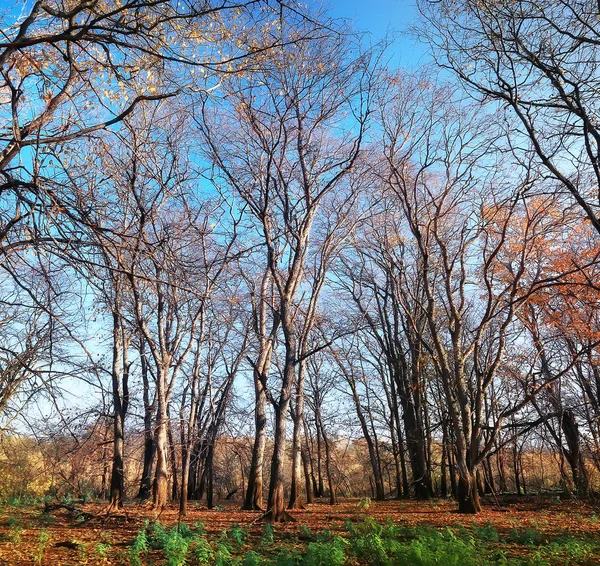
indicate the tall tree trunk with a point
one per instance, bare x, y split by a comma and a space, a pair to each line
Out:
490, 483
210, 502
574, 455
149, 446
468, 494
320, 486
307, 481
379, 489
413, 429
444, 480
405, 486
295, 501
254, 492
332, 497
161, 476
172, 459
276, 501
311, 463
120, 380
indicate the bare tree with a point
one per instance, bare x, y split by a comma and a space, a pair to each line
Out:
281, 158
538, 60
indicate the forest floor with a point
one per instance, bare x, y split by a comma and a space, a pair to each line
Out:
521, 531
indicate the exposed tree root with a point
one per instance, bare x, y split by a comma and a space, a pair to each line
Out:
284, 518
74, 511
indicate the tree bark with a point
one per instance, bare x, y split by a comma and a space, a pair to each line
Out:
295, 501
254, 493
120, 380
161, 476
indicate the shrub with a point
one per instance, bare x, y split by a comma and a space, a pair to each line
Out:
325, 553
237, 534
252, 558
443, 548
176, 548
487, 533
364, 504
268, 536
528, 537
201, 550
139, 546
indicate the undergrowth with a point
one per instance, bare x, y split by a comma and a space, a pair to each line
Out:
366, 542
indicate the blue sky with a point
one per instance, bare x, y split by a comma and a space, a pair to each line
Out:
378, 17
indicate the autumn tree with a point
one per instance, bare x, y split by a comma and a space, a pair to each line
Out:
287, 139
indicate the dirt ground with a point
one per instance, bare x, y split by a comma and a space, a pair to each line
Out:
101, 539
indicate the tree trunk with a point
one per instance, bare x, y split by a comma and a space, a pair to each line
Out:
295, 501
444, 479
120, 380
574, 456
210, 502
172, 459
161, 476
149, 446
332, 497
276, 502
468, 495
307, 485
254, 492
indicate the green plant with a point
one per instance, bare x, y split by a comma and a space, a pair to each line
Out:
564, 551
198, 526
237, 534
486, 533
268, 536
176, 548
325, 553
102, 549
201, 550
252, 558
14, 533
158, 536
364, 504
305, 533
43, 544
528, 537
442, 548
139, 546
286, 557
222, 555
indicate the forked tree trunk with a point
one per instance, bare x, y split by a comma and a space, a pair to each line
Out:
210, 501
117, 478
405, 489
